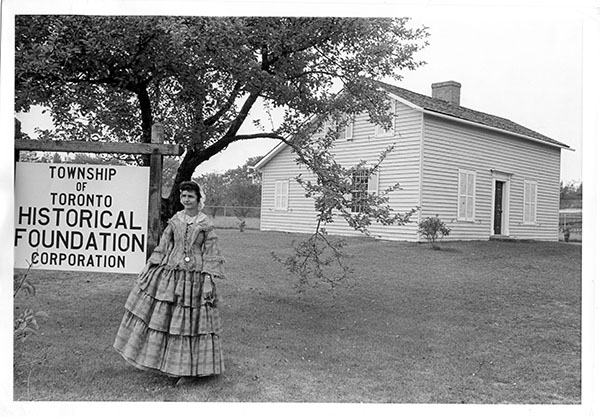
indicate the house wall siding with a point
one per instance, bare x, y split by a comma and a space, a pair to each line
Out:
428, 153
401, 166
300, 215
449, 146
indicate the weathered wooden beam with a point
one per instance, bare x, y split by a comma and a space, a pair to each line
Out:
98, 147
155, 191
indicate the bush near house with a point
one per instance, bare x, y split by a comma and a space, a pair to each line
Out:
433, 229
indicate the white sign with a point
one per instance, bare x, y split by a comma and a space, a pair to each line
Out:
81, 217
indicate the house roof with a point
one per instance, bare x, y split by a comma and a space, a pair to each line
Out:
445, 109
463, 113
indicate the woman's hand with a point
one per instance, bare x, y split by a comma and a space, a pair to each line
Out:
207, 287
208, 291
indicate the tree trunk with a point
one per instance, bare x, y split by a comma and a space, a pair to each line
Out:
195, 156
146, 112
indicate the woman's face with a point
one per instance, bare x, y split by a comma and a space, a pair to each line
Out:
189, 200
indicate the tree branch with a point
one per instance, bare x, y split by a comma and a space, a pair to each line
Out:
271, 135
230, 101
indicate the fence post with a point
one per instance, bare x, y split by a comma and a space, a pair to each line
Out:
155, 192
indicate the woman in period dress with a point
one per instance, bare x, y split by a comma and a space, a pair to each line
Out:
171, 323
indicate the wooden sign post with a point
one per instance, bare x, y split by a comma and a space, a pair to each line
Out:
155, 195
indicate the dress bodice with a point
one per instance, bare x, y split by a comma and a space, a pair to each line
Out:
189, 244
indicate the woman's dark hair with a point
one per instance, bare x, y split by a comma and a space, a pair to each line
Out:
191, 186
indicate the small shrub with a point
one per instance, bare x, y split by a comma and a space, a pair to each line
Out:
432, 228
25, 323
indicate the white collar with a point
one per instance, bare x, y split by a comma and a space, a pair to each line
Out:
191, 219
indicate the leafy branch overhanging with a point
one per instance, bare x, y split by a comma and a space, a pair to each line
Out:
322, 258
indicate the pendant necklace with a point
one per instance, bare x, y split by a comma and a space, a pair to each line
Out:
185, 243
189, 221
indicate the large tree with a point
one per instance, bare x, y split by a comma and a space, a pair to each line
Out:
112, 77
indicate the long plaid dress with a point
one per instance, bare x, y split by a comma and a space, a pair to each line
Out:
171, 322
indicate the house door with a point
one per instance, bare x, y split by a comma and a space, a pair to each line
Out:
498, 205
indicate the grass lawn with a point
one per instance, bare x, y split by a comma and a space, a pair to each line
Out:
477, 322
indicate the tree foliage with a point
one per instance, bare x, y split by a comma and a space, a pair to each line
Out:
321, 259
213, 187
571, 194
112, 77
243, 188
333, 190
25, 318
239, 188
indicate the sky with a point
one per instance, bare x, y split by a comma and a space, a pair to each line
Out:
524, 63
521, 64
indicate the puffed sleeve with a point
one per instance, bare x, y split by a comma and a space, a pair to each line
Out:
164, 247
212, 259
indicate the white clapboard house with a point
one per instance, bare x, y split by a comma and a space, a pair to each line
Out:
483, 175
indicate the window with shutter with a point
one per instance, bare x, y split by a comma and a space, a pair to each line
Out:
466, 195
281, 194
529, 202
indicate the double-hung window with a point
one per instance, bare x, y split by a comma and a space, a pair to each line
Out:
362, 186
466, 195
529, 202
281, 194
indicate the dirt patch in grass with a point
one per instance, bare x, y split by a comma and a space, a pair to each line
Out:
476, 322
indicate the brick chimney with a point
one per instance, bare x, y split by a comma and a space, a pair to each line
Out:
448, 91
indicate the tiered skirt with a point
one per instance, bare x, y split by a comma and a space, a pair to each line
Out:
170, 326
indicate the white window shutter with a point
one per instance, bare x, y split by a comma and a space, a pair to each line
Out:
462, 180
281, 194
285, 194
462, 201
462, 207
466, 195
529, 202
373, 185
277, 201
349, 129
471, 196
